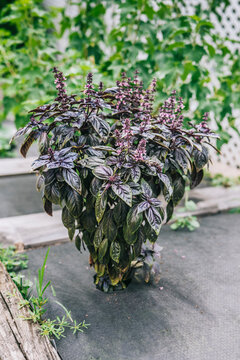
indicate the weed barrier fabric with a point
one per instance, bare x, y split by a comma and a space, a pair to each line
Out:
192, 314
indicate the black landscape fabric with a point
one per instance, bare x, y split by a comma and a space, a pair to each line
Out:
192, 314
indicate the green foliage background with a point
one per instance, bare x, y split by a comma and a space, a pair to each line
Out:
151, 36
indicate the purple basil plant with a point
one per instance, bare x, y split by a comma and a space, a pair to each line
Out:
117, 169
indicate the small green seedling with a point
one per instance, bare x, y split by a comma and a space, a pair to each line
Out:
37, 304
189, 222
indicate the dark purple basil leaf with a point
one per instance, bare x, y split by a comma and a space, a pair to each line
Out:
100, 205
67, 138
52, 193
88, 221
71, 114
63, 152
43, 142
67, 219
100, 126
92, 140
103, 104
95, 186
213, 135
138, 244
135, 187
40, 182
178, 189
54, 165
84, 173
41, 108
77, 125
169, 210
181, 159
20, 132
135, 173
146, 189
174, 165
155, 202
113, 90
104, 148
92, 152
166, 181
72, 179
74, 201
49, 176
81, 140
70, 157
154, 219
196, 178
112, 160
200, 157
62, 161
47, 206
46, 115
39, 163
29, 141
151, 170
92, 162
81, 117
60, 132
103, 172
144, 205
148, 135
150, 234
124, 192
104, 129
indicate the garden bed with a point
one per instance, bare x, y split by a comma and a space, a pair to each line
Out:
191, 314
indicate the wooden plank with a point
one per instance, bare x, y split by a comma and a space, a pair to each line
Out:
18, 166
216, 192
214, 201
33, 230
19, 339
39, 229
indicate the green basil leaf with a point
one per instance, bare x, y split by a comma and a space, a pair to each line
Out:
67, 219
100, 205
115, 251
102, 249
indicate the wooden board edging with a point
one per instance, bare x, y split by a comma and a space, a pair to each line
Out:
16, 166
19, 339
